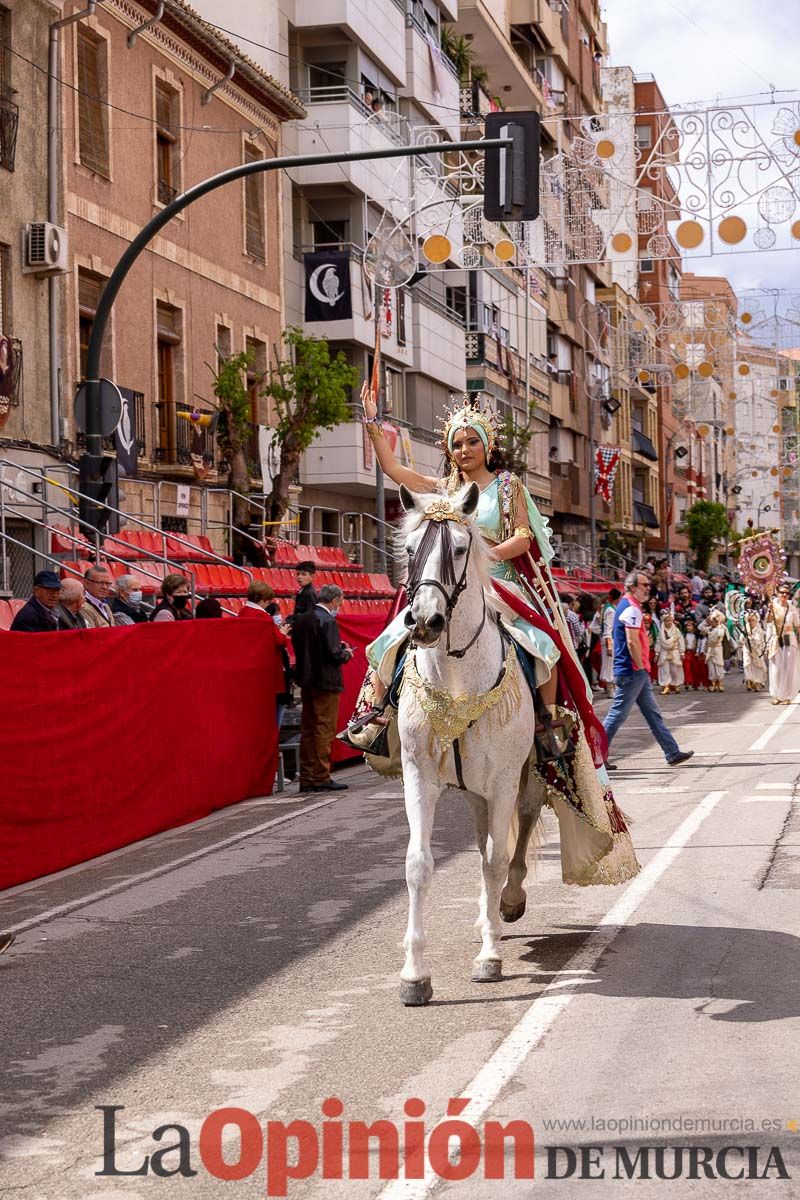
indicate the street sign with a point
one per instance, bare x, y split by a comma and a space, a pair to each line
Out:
110, 407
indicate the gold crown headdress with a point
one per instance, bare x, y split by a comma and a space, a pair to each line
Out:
471, 414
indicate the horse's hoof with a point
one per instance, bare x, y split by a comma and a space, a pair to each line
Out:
512, 912
487, 970
415, 992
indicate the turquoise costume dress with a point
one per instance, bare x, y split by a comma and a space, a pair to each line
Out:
495, 518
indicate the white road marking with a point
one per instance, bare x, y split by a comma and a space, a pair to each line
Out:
655, 791
544, 1011
770, 732
790, 751
122, 885
773, 787
766, 799
386, 796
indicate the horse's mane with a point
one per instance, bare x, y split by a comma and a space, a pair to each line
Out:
412, 521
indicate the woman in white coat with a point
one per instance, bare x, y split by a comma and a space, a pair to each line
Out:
754, 652
783, 623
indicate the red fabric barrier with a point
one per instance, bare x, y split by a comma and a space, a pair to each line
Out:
359, 631
110, 735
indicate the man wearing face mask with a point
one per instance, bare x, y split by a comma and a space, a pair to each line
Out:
127, 604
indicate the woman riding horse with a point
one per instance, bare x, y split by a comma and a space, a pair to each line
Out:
596, 846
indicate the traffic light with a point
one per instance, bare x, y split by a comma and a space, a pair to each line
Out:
97, 477
511, 176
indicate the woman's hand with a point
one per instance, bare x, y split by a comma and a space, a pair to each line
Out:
369, 402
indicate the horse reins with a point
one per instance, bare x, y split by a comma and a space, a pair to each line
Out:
440, 518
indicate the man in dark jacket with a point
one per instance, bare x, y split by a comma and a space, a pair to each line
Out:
38, 615
320, 654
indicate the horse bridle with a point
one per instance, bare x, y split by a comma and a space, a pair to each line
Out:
441, 513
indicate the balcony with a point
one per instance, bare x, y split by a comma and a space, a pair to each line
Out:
177, 442
565, 484
343, 457
166, 192
438, 340
381, 27
645, 514
10, 376
346, 125
487, 22
422, 76
9, 123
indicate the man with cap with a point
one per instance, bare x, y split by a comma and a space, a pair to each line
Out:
39, 614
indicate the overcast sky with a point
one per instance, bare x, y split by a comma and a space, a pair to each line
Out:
715, 51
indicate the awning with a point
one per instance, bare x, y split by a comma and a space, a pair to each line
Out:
644, 514
641, 444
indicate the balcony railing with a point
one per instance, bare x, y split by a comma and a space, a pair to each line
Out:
188, 442
166, 192
9, 123
141, 426
390, 123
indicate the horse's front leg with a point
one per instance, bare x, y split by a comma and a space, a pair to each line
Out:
487, 967
421, 796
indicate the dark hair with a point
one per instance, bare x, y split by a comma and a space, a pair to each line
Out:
307, 566
615, 594
210, 607
273, 608
171, 583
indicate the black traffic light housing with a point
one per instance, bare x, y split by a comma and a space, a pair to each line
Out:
511, 176
97, 478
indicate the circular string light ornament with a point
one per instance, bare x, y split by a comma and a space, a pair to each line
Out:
776, 204
682, 371
689, 234
605, 148
643, 376
746, 318
390, 258
731, 395
773, 471
732, 230
764, 238
437, 248
703, 430
705, 370
621, 242
795, 231
504, 250
743, 369
730, 431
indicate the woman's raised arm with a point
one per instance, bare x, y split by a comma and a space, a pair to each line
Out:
389, 464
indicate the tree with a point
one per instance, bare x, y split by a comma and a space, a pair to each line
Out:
311, 392
516, 438
233, 431
706, 523
458, 50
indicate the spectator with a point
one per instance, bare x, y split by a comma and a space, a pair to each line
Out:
574, 623
96, 611
39, 614
208, 609
274, 611
707, 602
127, 604
632, 671
683, 604
259, 595
320, 654
70, 603
698, 583
306, 598
260, 599
173, 605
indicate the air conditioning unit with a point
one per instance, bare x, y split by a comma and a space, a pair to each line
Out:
44, 249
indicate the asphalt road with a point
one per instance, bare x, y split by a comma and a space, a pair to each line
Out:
251, 961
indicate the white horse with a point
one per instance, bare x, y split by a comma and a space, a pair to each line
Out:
461, 678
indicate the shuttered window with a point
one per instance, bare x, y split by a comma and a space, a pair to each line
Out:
254, 207
5, 290
167, 144
92, 102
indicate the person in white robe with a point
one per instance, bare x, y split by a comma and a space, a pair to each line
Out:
670, 649
715, 655
754, 652
783, 654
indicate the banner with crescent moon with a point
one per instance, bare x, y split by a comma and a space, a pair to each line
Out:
328, 296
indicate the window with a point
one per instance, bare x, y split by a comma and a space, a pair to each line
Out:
168, 155
455, 299
89, 288
5, 290
327, 75
5, 51
224, 343
644, 137
400, 332
255, 379
254, 207
395, 396
330, 234
645, 266
168, 344
92, 102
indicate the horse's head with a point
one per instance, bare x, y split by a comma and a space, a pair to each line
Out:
440, 540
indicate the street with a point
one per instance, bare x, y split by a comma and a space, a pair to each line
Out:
251, 961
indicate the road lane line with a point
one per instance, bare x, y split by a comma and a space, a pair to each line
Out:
122, 885
773, 787
770, 732
501, 1067
768, 799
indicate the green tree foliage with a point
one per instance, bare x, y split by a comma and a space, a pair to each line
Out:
706, 523
311, 392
